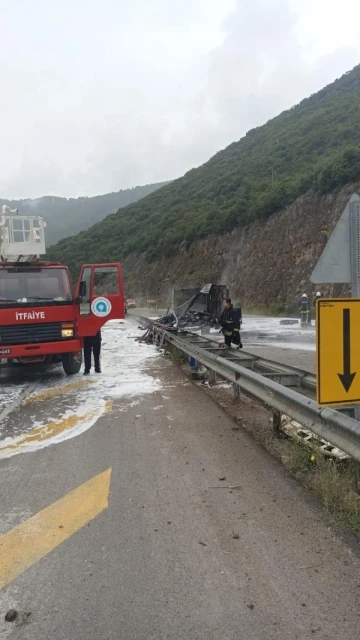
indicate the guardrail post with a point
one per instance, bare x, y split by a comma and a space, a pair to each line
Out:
211, 376
236, 388
276, 421
236, 392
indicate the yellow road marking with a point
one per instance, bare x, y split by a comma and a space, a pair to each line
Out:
32, 540
57, 391
52, 429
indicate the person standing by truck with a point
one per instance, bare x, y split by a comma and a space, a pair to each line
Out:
230, 321
236, 337
92, 344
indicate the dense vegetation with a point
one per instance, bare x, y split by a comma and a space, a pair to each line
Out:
315, 145
67, 216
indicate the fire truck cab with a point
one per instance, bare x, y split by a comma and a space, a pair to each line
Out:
43, 317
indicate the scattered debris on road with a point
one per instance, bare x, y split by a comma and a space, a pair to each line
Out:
11, 615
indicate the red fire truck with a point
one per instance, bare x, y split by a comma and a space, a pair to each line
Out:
43, 317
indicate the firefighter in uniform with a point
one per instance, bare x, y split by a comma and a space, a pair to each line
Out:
92, 344
317, 297
304, 308
237, 324
230, 321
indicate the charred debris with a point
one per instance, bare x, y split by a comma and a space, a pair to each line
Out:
194, 308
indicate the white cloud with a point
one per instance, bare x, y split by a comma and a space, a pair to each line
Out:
101, 96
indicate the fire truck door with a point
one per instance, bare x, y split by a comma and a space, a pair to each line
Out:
100, 296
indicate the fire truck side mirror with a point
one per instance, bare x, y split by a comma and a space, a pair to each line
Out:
82, 289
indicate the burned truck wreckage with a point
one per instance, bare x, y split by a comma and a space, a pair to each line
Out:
190, 310
195, 308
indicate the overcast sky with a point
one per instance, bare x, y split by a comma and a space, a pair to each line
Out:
102, 95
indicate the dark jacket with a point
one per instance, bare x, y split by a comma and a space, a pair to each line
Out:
237, 317
93, 340
304, 305
229, 320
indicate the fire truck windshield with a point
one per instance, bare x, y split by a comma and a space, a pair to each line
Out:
19, 285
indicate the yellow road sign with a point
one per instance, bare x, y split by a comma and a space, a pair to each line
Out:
338, 351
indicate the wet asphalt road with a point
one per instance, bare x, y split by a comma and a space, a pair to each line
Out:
179, 553
300, 358
291, 345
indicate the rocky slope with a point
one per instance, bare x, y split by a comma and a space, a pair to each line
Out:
255, 216
267, 264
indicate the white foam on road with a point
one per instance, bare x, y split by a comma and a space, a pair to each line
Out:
268, 331
10, 391
272, 325
125, 364
68, 425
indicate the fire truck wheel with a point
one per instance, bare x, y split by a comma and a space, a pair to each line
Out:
72, 363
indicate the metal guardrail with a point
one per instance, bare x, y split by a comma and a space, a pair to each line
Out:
292, 377
288, 376
339, 429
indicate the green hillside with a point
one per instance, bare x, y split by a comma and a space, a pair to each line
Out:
68, 216
315, 145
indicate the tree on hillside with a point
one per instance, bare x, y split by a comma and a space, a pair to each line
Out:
313, 146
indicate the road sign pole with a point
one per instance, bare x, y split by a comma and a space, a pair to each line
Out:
355, 280
334, 266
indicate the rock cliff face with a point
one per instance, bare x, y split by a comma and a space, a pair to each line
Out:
267, 264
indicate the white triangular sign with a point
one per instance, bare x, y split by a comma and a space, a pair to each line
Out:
334, 263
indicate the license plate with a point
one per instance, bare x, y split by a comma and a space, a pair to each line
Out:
5, 352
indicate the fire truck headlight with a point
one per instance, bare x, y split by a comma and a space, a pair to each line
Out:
67, 331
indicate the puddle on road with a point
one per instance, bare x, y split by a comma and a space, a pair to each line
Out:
125, 364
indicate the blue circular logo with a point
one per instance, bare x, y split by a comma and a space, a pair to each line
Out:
101, 307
